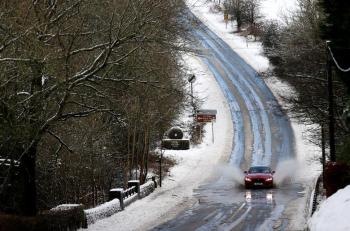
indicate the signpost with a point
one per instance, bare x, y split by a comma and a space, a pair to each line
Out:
191, 80
207, 116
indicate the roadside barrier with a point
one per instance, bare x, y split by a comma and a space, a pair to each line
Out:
71, 217
316, 194
119, 199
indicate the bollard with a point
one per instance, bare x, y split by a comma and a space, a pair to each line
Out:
135, 183
117, 193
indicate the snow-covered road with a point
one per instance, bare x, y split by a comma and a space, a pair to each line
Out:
251, 128
262, 136
263, 133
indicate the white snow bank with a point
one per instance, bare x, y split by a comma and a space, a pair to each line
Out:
105, 210
64, 207
334, 213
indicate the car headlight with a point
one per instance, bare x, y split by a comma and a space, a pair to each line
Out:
269, 179
248, 179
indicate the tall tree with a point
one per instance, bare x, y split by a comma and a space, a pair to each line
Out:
298, 53
68, 60
336, 28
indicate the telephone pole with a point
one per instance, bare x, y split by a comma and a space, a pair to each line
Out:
331, 119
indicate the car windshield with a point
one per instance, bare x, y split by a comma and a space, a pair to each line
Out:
259, 170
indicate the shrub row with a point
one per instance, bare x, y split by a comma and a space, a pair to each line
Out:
68, 219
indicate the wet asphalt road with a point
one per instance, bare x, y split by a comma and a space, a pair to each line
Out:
262, 136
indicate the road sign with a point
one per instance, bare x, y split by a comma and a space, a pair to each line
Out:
206, 116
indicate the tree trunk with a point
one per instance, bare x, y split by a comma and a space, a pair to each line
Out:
27, 205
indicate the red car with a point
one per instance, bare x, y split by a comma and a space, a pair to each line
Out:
259, 177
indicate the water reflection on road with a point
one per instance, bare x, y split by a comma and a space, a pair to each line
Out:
225, 205
257, 197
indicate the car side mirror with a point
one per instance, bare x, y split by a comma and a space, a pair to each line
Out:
245, 172
273, 172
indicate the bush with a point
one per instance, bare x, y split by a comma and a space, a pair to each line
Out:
68, 219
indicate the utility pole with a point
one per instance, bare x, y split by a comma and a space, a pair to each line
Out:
331, 119
191, 80
323, 144
212, 131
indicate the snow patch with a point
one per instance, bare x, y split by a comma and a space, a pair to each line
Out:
328, 218
65, 207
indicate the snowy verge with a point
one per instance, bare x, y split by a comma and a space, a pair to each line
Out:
328, 218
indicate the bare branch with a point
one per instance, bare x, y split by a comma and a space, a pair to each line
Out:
60, 140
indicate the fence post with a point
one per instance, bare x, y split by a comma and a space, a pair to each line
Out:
135, 183
117, 193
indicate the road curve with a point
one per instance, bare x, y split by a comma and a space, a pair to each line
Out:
262, 136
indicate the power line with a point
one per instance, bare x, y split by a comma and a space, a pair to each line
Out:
336, 63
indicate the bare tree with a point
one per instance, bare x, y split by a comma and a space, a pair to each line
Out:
245, 12
70, 60
236, 8
253, 15
298, 54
